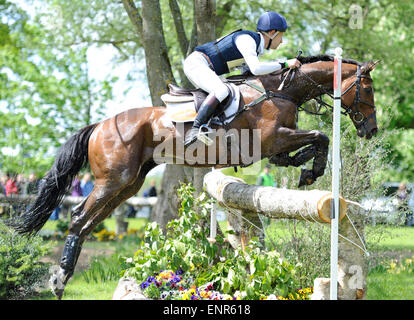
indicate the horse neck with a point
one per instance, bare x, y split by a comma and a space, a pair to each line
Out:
322, 73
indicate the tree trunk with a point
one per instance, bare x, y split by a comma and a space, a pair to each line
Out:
150, 30
352, 264
205, 16
159, 71
167, 205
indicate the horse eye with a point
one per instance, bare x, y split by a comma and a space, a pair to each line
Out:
368, 90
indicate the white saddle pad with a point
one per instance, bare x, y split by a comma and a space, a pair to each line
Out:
182, 108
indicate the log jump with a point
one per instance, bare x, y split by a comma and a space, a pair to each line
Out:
248, 201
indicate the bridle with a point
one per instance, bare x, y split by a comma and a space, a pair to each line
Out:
356, 115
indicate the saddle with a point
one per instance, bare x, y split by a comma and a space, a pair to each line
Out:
183, 104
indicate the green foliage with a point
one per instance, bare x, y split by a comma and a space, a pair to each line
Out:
103, 269
20, 269
254, 272
307, 245
62, 226
45, 92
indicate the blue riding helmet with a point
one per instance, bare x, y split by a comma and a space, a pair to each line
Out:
272, 21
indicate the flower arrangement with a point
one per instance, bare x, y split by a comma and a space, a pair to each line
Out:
251, 274
170, 285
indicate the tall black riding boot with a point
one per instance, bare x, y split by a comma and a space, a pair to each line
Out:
207, 108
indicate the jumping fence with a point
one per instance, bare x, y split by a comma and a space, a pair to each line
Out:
244, 203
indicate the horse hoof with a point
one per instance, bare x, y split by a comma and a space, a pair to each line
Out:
56, 285
306, 178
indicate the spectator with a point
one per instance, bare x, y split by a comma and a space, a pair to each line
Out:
410, 214
11, 186
20, 182
285, 182
266, 179
76, 187
86, 184
32, 185
151, 191
3, 180
402, 196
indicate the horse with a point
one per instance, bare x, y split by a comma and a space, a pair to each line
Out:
120, 150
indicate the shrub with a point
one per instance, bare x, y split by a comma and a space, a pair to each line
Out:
20, 268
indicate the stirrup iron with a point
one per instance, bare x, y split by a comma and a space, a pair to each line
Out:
203, 135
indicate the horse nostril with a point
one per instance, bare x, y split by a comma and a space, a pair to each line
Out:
374, 131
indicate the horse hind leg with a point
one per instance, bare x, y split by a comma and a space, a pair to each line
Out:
102, 214
99, 204
125, 194
97, 199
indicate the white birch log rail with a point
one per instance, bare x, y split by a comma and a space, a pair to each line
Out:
271, 202
315, 205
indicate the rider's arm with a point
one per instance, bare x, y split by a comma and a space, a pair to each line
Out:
247, 47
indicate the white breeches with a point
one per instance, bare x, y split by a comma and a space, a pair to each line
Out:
197, 70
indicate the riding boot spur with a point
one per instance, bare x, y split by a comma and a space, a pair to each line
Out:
207, 108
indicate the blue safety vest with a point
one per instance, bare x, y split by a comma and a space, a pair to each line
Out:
223, 53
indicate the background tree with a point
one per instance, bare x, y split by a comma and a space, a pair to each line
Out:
45, 92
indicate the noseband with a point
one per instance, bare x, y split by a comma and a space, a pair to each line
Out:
356, 115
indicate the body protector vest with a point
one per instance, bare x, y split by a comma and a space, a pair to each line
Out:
223, 53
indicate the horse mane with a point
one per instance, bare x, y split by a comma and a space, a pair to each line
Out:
312, 59
303, 60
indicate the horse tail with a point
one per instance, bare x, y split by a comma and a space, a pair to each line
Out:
70, 159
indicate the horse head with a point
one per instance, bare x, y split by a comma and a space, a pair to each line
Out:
358, 100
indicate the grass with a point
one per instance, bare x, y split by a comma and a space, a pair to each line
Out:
394, 238
78, 289
386, 286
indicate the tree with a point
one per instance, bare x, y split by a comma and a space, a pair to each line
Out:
168, 204
45, 92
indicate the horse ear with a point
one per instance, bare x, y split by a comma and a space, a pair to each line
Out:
369, 66
373, 64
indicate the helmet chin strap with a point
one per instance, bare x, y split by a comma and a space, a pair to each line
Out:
271, 37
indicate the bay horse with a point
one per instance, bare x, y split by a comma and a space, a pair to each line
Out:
120, 149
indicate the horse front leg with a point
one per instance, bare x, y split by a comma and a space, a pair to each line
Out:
291, 140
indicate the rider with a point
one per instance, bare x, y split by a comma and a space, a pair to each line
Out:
208, 61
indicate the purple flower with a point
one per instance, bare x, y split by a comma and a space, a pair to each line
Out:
179, 272
145, 285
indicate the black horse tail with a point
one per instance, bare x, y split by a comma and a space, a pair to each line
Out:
70, 159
